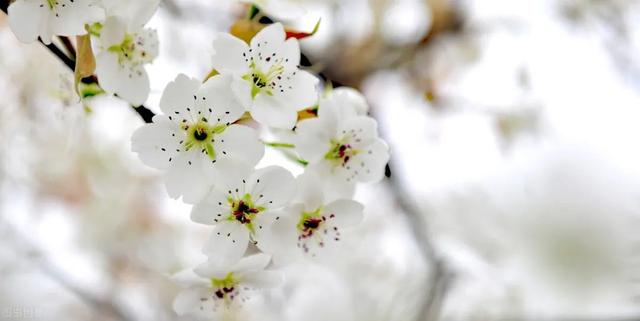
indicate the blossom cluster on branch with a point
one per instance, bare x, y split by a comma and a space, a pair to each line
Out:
209, 140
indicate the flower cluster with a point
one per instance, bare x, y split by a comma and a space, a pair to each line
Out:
125, 46
209, 140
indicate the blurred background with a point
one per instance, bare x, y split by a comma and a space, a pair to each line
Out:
515, 170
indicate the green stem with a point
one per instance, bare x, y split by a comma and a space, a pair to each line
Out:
277, 144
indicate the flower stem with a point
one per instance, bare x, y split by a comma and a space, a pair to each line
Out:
278, 144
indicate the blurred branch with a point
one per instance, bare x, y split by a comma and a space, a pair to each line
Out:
104, 306
439, 275
145, 113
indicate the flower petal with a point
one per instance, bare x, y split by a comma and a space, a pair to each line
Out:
113, 32
228, 242
313, 138
27, 18
271, 187
71, 17
213, 209
298, 90
359, 131
254, 262
368, 166
156, 143
188, 300
271, 37
229, 54
216, 101
239, 142
309, 190
269, 111
262, 279
347, 213
129, 82
178, 96
354, 103
184, 177
231, 176
279, 239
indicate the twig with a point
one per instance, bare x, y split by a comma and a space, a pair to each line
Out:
71, 50
439, 277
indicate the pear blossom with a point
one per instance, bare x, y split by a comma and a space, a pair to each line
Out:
126, 48
30, 19
267, 78
241, 205
353, 102
314, 221
135, 13
213, 291
194, 133
342, 145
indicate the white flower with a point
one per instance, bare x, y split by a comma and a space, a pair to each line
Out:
266, 75
314, 222
195, 132
135, 13
352, 101
279, 9
241, 205
342, 145
215, 290
120, 65
30, 19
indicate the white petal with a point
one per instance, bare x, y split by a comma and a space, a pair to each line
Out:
228, 55
228, 242
354, 102
27, 18
346, 213
262, 279
216, 101
298, 90
368, 166
140, 12
359, 131
254, 262
270, 36
269, 111
113, 32
184, 177
271, 187
242, 90
239, 142
130, 83
313, 138
188, 278
280, 239
335, 179
188, 300
72, 17
156, 143
217, 269
213, 209
178, 96
231, 175
309, 190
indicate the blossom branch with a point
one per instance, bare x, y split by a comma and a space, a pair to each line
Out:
144, 113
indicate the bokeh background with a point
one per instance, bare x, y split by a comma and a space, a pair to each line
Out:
514, 189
